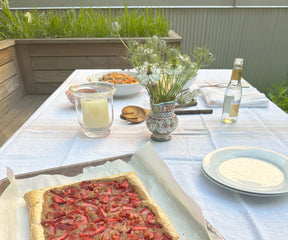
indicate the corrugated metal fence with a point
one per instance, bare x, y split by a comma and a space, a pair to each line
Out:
259, 35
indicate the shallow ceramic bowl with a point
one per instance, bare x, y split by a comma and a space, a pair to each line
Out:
190, 82
122, 89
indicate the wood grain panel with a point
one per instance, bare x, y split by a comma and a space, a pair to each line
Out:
44, 88
8, 86
19, 76
54, 63
6, 44
18, 115
24, 66
7, 70
6, 55
7, 103
74, 49
51, 76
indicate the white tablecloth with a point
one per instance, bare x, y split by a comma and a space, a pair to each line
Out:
52, 138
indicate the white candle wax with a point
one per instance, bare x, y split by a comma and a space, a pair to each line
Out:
95, 113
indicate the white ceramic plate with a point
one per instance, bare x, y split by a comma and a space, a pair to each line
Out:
249, 170
122, 89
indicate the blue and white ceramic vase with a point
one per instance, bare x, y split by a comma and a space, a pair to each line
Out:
162, 121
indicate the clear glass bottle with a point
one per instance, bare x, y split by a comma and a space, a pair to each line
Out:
233, 94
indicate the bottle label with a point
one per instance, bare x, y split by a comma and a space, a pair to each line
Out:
236, 74
227, 104
234, 110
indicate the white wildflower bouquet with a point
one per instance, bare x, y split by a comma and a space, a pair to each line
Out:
162, 69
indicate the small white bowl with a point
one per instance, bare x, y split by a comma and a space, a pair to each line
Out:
122, 89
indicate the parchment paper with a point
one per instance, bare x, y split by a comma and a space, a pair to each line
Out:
183, 212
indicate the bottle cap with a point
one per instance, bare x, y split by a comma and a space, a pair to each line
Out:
238, 62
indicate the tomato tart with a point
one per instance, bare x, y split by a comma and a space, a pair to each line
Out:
115, 207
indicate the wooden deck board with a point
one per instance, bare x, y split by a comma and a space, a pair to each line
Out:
15, 118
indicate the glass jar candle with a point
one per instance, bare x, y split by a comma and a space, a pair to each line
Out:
94, 107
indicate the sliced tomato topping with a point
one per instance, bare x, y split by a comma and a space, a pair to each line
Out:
105, 199
85, 218
51, 229
132, 194
91, 205
101, 212
125, 207
83, 234
116, 209
145, 211
125, 184
141, 228
63, 237
150, 218
116, 236
55, 206
58, 199
103, 184
75, 211
70, 201
57, 194
49, 215
135, 200
114, 219
97, 230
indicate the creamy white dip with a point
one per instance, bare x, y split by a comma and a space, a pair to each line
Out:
251, 172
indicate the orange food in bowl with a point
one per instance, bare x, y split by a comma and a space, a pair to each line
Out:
119, 78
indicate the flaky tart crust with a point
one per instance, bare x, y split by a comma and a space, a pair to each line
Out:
35, 202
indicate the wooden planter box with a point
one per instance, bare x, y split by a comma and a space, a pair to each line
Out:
11, 87
45, 63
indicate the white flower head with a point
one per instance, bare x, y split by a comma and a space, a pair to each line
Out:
154, 57
173, 52
184, 58
148, 73
172, 70
162, 45
155, 39
193, 65
115, 27
28, 16
5, 3
148, 51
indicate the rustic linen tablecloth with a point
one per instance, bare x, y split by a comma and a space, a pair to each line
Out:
52, 138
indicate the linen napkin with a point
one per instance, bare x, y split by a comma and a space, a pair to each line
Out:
213, 83
213, 88
251, 97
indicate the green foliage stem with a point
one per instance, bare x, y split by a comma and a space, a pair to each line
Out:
84, 22
279, 94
